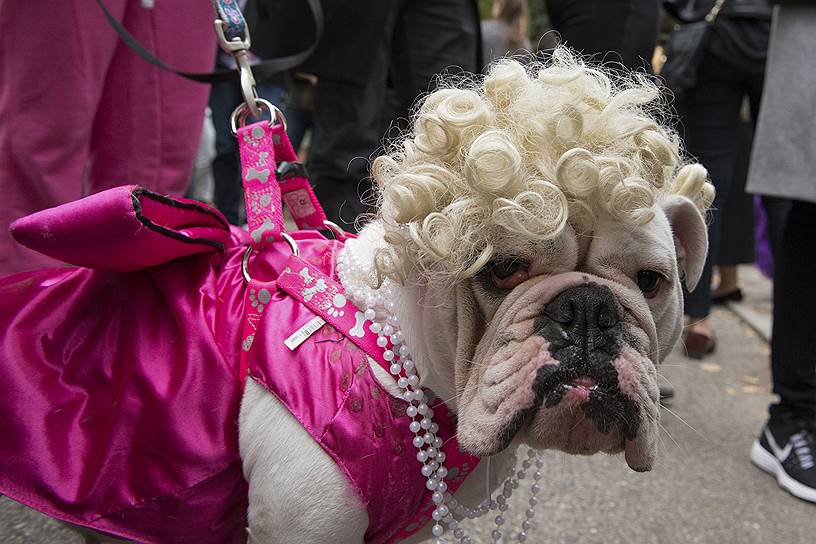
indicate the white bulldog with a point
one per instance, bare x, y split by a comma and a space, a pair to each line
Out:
535, 230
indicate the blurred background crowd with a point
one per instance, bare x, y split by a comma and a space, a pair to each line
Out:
743, 104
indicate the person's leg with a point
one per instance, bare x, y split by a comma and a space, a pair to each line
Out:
793, 345
148, 123
710, 128
736, 219
610, 31
48, 99
432, 37
300, 121
298, 101
346, 133
786, 447
776, 211
202, 184
776, 208
729, 283
224, 97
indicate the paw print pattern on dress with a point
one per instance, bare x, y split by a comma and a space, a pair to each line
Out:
258, 299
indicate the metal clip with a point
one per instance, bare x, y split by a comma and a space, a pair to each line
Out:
239, 48
338, 232
235, 44
248, 84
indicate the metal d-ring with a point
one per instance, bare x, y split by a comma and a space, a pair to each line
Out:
335, 228
292, 244
245, 259
240, 114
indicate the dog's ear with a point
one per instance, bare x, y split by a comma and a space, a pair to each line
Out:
690, 236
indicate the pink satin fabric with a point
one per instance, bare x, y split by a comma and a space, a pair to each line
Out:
341, 403
120, 384
119, 391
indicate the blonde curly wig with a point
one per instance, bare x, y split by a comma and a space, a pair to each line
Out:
521, 155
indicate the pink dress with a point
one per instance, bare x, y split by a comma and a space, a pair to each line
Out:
120, 380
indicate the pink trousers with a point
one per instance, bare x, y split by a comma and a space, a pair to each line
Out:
80, 112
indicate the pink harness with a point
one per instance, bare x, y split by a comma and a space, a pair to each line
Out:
119, 391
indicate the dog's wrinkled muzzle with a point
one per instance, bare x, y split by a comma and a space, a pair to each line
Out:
570, 377
583, 327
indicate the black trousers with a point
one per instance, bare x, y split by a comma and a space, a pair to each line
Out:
224, 98
609, 31
710, 127
737, 214
423, 38
793, 346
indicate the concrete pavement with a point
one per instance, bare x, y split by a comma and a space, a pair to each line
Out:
703, 490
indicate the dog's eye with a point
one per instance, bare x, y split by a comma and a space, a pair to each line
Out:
649, 282
508, 273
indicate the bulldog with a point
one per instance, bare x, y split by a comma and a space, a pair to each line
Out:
535, 232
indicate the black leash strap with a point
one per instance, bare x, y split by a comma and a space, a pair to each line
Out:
262, 70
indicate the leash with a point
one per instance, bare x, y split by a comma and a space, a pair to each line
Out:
270, 173
234, 28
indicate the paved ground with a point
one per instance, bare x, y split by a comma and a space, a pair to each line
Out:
703, 490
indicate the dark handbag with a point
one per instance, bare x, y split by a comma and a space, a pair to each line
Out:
684, 50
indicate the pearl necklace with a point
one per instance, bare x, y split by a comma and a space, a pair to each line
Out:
378, 308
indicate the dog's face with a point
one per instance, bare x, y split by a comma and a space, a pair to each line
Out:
532, 331
556, 344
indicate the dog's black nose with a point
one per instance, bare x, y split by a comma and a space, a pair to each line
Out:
584, 310
580, 321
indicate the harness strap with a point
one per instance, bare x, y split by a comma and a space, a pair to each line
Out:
326, 298
262, 148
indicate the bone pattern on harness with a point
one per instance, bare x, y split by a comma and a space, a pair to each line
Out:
263, 194
261, 146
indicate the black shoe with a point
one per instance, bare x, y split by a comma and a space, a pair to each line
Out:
730, 296
788, 451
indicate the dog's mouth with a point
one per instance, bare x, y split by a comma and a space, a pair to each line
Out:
576, 414
599, 398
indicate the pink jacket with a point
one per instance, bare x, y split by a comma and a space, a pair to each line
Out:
120, 380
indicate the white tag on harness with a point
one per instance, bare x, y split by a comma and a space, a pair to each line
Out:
303, 333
